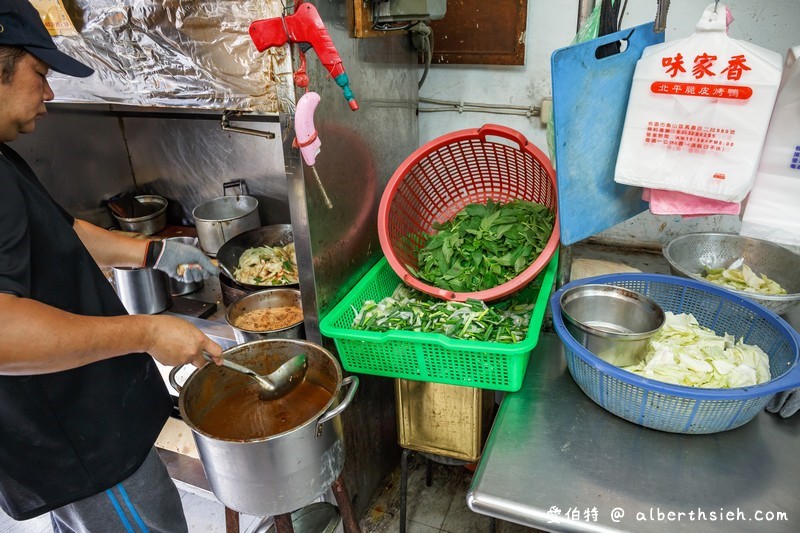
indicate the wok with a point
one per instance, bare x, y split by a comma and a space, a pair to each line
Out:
230, 252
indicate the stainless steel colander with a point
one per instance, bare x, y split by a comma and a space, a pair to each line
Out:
688, 255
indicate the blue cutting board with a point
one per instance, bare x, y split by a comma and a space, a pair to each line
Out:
590, 97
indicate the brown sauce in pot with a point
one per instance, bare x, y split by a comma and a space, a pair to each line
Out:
243, 416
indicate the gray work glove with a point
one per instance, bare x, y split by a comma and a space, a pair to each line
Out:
184, 262
786, 403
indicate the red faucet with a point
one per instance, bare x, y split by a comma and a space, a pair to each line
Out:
305, 28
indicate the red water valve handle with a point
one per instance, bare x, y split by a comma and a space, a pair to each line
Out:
304, 26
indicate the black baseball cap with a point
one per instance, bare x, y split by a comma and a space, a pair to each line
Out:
21, 25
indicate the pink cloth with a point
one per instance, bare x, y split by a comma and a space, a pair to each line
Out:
663, 202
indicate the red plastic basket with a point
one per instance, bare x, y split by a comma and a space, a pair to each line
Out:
440, 178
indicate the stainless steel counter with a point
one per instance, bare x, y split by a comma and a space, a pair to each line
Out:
557, 461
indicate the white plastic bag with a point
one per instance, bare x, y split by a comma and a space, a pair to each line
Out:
698, 113
772, 211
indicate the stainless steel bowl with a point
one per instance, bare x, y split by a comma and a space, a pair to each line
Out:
688, 256
613, 323
264, 299
148, 224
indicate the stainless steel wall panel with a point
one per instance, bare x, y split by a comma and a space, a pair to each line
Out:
185, 157
360, 151
191, 159
81, 159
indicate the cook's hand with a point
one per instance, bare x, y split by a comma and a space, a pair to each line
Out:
786, 403
175, 341
184, 262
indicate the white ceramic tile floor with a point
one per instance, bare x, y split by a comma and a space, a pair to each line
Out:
440, 508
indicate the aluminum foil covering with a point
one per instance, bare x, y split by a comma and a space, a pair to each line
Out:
175, 53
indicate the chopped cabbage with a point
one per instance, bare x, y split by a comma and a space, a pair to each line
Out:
685, 353
267, 265
742, 279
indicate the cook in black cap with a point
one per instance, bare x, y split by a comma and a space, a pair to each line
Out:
27, 54
21, 25
82, 401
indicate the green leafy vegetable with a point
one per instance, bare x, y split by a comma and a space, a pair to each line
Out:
484, 245
685, 353
410, 310
742, 279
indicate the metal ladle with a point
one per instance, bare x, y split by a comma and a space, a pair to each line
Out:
288, 376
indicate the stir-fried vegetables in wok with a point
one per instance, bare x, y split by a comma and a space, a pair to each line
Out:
267, 265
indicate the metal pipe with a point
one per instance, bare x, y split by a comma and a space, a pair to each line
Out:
585, 8
403, 488
283, 523
231, 521
225, 124
532, 112
472, 104
464, 107
349, 521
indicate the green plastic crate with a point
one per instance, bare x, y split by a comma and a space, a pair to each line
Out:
433, 356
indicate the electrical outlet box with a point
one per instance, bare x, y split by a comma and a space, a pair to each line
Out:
546, 110
385, 11
374, 18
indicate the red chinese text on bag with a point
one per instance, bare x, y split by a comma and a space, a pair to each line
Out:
698, 112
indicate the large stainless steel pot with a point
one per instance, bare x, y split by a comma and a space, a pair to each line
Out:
277, 474
222, 218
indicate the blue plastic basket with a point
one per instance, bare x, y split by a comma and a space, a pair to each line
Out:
675, 408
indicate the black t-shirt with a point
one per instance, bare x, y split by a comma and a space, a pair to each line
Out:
66, 435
